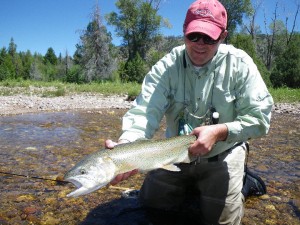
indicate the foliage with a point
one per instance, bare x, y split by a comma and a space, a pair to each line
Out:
27, 60
75, 75
137, 23
160, 46
245, 42
50, 57
7, 69
285, 95
11, 64
236, 9
287, 66
133, 70
63, 88
35, 73
94, 54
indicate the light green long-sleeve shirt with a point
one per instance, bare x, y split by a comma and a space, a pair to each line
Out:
230, 82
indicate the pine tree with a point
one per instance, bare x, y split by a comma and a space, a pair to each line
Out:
94, 54
50, 57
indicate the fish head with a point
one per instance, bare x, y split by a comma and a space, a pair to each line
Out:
90, 174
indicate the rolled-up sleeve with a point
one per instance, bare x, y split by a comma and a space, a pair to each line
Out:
144, 118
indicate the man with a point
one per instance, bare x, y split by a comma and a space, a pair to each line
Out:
189, 85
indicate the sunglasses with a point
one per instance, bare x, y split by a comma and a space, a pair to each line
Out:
195, 37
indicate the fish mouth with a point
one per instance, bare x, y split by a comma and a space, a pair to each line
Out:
77, 183
81, 190
82, 187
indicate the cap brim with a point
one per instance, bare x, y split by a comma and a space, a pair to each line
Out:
204, 27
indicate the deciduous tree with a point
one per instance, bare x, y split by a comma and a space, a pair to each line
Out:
236, 9
137, 23
287, 66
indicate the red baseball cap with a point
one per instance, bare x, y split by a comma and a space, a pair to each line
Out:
206, 16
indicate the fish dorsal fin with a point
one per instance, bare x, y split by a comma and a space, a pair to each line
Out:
171, 167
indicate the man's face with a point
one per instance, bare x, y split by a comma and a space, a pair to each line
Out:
199, 52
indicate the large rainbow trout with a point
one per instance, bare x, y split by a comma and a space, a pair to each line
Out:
99, 168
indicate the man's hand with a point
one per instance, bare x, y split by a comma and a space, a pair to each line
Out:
207, 136
123, 176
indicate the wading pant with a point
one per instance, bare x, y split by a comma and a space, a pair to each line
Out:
215, 184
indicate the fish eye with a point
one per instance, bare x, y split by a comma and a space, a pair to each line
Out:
82, 171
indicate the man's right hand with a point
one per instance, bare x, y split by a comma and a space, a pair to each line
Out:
123, 176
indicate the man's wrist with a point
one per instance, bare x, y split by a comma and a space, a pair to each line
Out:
222, 132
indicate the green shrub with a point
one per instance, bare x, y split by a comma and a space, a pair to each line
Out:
133, 70
286, 72
245, 42
75, 75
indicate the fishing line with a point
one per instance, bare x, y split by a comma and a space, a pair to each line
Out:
61, 181
33, 177
126, 192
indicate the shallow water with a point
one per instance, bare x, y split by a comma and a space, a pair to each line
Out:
48, 144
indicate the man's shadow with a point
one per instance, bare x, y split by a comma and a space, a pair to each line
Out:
128, 211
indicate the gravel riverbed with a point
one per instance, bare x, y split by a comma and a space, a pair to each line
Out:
21, 103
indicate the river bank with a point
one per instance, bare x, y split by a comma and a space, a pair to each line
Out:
21, 103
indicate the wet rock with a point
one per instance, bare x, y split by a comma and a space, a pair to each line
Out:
23, 216
11, 213
31, 149
24, 198
262, 168
270, 222
3, 221
50, 201
50, 218
30, 210
264, 197
33, 219
276, 199
270, 207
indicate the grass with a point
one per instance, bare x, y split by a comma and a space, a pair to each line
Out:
56, 88
285, 95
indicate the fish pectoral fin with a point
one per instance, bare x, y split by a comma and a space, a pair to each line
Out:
171, 167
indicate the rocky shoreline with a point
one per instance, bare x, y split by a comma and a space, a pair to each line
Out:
20, 103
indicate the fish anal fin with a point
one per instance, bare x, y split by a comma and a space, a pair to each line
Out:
171, 167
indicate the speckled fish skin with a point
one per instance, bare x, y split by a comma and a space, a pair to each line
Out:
99, 168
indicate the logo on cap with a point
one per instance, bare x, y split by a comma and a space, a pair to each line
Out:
204, 13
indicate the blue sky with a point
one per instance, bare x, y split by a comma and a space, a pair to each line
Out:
36, 25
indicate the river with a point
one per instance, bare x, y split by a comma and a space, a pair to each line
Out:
46, 145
